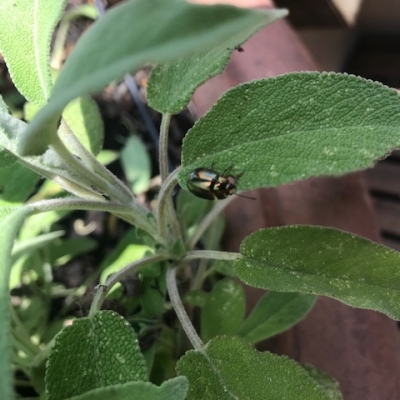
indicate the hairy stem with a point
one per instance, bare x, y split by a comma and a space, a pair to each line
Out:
163, 160
181, 312
165, 210
102, 290
211, 254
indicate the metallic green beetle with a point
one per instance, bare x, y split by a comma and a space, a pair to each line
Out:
208, 184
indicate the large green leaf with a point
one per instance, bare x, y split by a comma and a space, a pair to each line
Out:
93, 352
11, 219
274, 313
16, 184
233, 369
171, 85
83, 118
136, 164
223, 310
330, 384
127, 37
298, 125
323, 261
173, 389
26, 27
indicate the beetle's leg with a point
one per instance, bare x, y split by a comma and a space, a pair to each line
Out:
226, 170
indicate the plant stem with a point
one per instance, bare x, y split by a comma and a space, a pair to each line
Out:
181, 312
211, 254
102, 290
88, 177
84, 10
21, 335
87, 158
208, 220
43, 354
200, 273
125, 212
165, 210
163, 159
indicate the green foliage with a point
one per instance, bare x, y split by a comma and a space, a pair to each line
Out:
174, 389
29, 24
181, 28
135, 161
223, 311
330, 384
323, 261
275, 313
263, 133
172, 85
83, 117
17, 183
11, 219
94, 352
231, 368
295, 126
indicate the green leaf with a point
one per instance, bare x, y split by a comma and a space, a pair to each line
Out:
50, 164
196, 298
274, 313
107, 156
7, 159
163, 31
11, 219
330, 384
152, 297
63, 251
224, 267
233, 369
84, 119
298, 125
26, 28
223, 311
323, 261
171, 85
135, 162
191, 211
28, 246
16, 184
173, 389
42, 222
3, 105
93, 352
129, 249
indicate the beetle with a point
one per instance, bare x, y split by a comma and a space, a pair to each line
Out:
208, 184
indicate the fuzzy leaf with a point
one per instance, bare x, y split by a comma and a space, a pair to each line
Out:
11, 219
330, 384
136, 163
171, 85
295, 126
16, 184
162, 31
93, 352
323, 261
84, 119
223, 310
173, 389
274, 313
233, 369
26, 27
